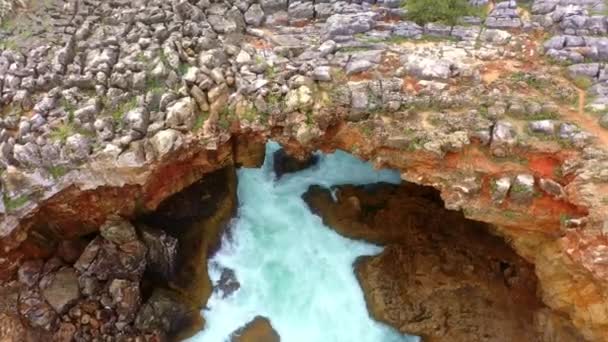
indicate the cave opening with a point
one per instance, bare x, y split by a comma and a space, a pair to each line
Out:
321, 249
436, 274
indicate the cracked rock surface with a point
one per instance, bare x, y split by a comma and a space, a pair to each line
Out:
110, 107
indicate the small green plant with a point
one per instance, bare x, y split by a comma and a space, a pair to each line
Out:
444, 11
123, 108
200, 121
431, 38
530, 79
416, 144
141, 57
251, 114
271, 72
62, 132
519, 188
582, 82
182, 69
57, 171
543, 115
273, 99
349, 49
6, 8
563, 219
224, 123
12, 204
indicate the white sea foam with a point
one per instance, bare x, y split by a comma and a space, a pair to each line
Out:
291, 268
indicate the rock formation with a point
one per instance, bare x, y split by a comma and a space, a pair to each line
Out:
108, 108
433, 259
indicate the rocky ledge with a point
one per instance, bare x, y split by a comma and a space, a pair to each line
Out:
110, 107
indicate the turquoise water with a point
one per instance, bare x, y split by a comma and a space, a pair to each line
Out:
291, 268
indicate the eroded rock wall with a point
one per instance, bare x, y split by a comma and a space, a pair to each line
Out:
440, 276
109, 107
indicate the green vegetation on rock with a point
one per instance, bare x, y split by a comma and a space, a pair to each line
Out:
444, 11
12, 204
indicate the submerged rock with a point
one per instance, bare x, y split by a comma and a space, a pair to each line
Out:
258, 330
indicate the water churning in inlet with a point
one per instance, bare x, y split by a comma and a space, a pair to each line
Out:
291, 268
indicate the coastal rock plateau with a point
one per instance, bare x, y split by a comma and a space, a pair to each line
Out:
117, 117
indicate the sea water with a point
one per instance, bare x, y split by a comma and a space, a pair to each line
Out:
292, 269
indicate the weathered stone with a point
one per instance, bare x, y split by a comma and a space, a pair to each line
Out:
500, 189
166, 141
118, 231
349, 24
180, 115
552, 187
36, 310
137, 121
164, 311
77, 147
503, 137
254, 15
162, 252
358, 66
60, 289
125, 298
542, 126
29, 272
322, 73
522, 190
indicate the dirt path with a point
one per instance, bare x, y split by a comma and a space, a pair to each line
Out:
585, 121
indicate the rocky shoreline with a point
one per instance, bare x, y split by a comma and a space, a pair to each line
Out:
110, 108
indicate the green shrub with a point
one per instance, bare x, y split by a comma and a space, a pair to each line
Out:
582, 82
443, 11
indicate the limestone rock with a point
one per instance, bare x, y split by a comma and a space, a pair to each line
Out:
180, 115
126, 298
118, 231
60, 289
522, 190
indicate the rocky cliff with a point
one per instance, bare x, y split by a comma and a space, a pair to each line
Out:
111, 107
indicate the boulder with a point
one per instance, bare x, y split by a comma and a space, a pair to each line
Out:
504, 136
546, 127
29, 272
349, 24
180, 115
34, 308
126, 298
165, 311
259, 329
118, 231
522, 190
166, 141
500, 189
552, 188
77, 148
60, 289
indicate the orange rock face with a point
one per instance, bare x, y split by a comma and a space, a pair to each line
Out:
562, 236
